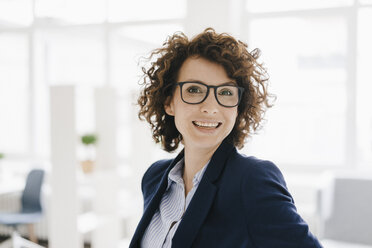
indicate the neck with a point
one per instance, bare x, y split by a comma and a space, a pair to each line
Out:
195, 159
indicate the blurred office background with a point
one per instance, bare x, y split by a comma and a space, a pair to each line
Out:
317, 53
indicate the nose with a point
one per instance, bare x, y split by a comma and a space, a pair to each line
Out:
210, 104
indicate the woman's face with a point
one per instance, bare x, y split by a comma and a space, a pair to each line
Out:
207, 124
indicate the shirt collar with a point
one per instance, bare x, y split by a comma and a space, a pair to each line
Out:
176, 174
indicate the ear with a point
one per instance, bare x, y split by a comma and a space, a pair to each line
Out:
168, 107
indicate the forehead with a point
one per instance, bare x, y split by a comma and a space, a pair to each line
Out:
203, 70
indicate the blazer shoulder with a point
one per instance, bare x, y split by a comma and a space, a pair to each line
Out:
269, 210
156, 168
254, 169
153, 175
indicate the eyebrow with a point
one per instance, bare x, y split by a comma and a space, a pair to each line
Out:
232, 83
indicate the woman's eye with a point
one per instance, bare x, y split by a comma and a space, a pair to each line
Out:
193, 89
225, 92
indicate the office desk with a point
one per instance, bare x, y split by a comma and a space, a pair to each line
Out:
10, 184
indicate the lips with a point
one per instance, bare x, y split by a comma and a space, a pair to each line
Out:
208, 124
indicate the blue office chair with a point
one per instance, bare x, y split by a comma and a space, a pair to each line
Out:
31, 211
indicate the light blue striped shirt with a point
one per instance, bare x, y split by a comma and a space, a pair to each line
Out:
173, 205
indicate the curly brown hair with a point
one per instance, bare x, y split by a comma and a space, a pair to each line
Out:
223, 49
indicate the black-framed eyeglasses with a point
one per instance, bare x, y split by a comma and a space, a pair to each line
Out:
194, 92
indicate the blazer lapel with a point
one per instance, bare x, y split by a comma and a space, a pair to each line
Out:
153, 205
202, 201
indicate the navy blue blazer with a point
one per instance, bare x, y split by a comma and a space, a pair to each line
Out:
240, 202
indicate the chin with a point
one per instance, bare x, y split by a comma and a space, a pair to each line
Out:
207, 144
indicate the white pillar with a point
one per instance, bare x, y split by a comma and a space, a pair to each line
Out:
222, 15
105, 177
63, 208
106, 124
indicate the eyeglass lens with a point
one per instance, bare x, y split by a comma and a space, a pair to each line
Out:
194, 92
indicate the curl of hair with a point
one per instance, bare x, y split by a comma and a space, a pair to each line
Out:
223, 49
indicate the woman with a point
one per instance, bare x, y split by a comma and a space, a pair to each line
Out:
209, 94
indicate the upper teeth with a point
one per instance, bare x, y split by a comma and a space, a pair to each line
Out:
206, 124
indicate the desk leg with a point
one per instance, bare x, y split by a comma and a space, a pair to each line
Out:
31, 233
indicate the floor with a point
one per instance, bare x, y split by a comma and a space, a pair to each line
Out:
41, 242
337, 244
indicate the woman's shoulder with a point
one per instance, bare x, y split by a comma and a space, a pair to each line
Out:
154, 174
157, 169
252, 163
255, 169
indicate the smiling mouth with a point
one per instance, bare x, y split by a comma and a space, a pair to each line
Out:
207, 124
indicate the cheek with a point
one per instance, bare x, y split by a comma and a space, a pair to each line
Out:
181, 116
233, 119
233, 116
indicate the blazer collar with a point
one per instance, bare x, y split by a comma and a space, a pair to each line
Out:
217, 162
199, 205
202, 201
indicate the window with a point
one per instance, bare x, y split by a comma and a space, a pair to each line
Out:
139, 10
15, 13
272, 5
14, 94
75, 56
70, 11
310, 49
364, 89
366, 1
306, 61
